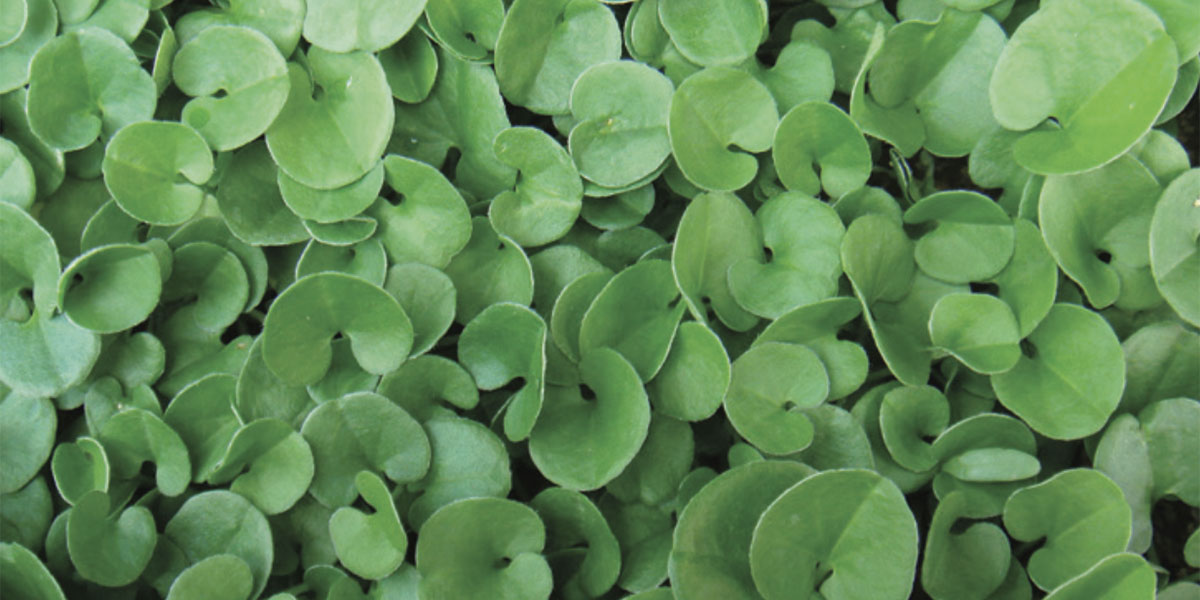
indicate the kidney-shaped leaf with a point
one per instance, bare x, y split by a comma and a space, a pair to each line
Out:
772, 385
218, 522
582, 443
306, 316
973, 238
109, 547
154, 170
819, 134
336, 122
723, 32
483, 548
1116, 577
549, 193
978, 329
370, 546
468, 461
27, 428
718, 117
863, 546
111, 288
362, 432
907, 416
369, 25
636, 314
45, 356
1102, 68
1073, 381
1174, 251
25, 576
218, 577
490, 269
1081, 513
430, 224
963, 565
716, 231
1171, 427
246, 69
692, 381
504, 342
134, 436
572, 519
86, 84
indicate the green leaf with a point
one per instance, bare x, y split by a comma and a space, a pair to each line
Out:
712, 540
908, 416
820, 134
506, 342
1122, 575
280, 20
307, 315
548, 195
111, 288
1123, 455
370, 546
215, 278
982, 436
771, 386
25, 576
155, 170
724, 33
1101, 69
278, 463
636, 314
653, 476
582, 442
411, 67
1174, 253
79, 467
369, 25
466, 28
972, 241
490, 269
357, 432
217, 522
816, 326
251, 203
716, 231
27, 428
1072, 382
804, 237
39, 24
483, 547
572, 519
1081, 513
333, 205
693, 380
963, 564
468, 461
620, 110
1170, 428
45, 356
336, 122
31, 261
108, 548
544, 45
134, 436
717, 117
16, 176
978, 329
428, 298
66, 111
830, 555
218, 577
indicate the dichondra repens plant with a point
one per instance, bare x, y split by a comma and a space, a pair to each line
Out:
599, 299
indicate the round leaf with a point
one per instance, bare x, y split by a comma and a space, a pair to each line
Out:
978, 329
908, 416
428, 298
218, 577
972, 241
134, 436
25, 576
331, 206
109, 549
111, 288
772, 385
370, 546
506, 342
431, 222
218, 523
369, 25
692, 381
27, 428
490, 269
571, 519
1174, 252
154, 171
549, 193
1122, 575
279, 465
820, 134
725, 32
716, 231
468, 461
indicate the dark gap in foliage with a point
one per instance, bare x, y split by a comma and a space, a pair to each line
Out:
985, 287
954, 174
1023, 551
767, 55
450, 165
768, 254
1188, 123
890, 5
586, 392
1028, 349
1104, 256
1173, 521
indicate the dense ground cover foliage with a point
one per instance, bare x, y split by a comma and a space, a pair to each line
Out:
653, 299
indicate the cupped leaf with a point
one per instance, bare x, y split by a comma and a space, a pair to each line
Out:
713, 537
1122, 575
250, 201
505, 342
467, 28
978, 329
899, 125
111, 288
79, 467
864, 546
1170, 427
490, 269
909, 415
420, 383
25, 576
110, 548
804, 237
155, 170
621, 111
370, 546
1102, 69
717, 118
430, 224
278, 465
483, 547
966, 564
31, 260
307, 315
1081, 513
544, 45
280, 20
725, 33
716, 231
662, 463
1123, 455
1072, 382
549, 193
468, 461
1096, 224
364, 260
411, 66
1174, 251
943, 69
218, 577
17, 183
362, 432
771, 386
816, 325
636, 314
134, 436
973, 238
884, 274
45, 356
214, 278
583, 442
991, 446
1029, 283
86, 84
245, 68
27, 428
334, 205
816, 134
217, 523
695, 376
336, 122
572, 519
202, 414
262, 395
368, 25
428, 297
354, 230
